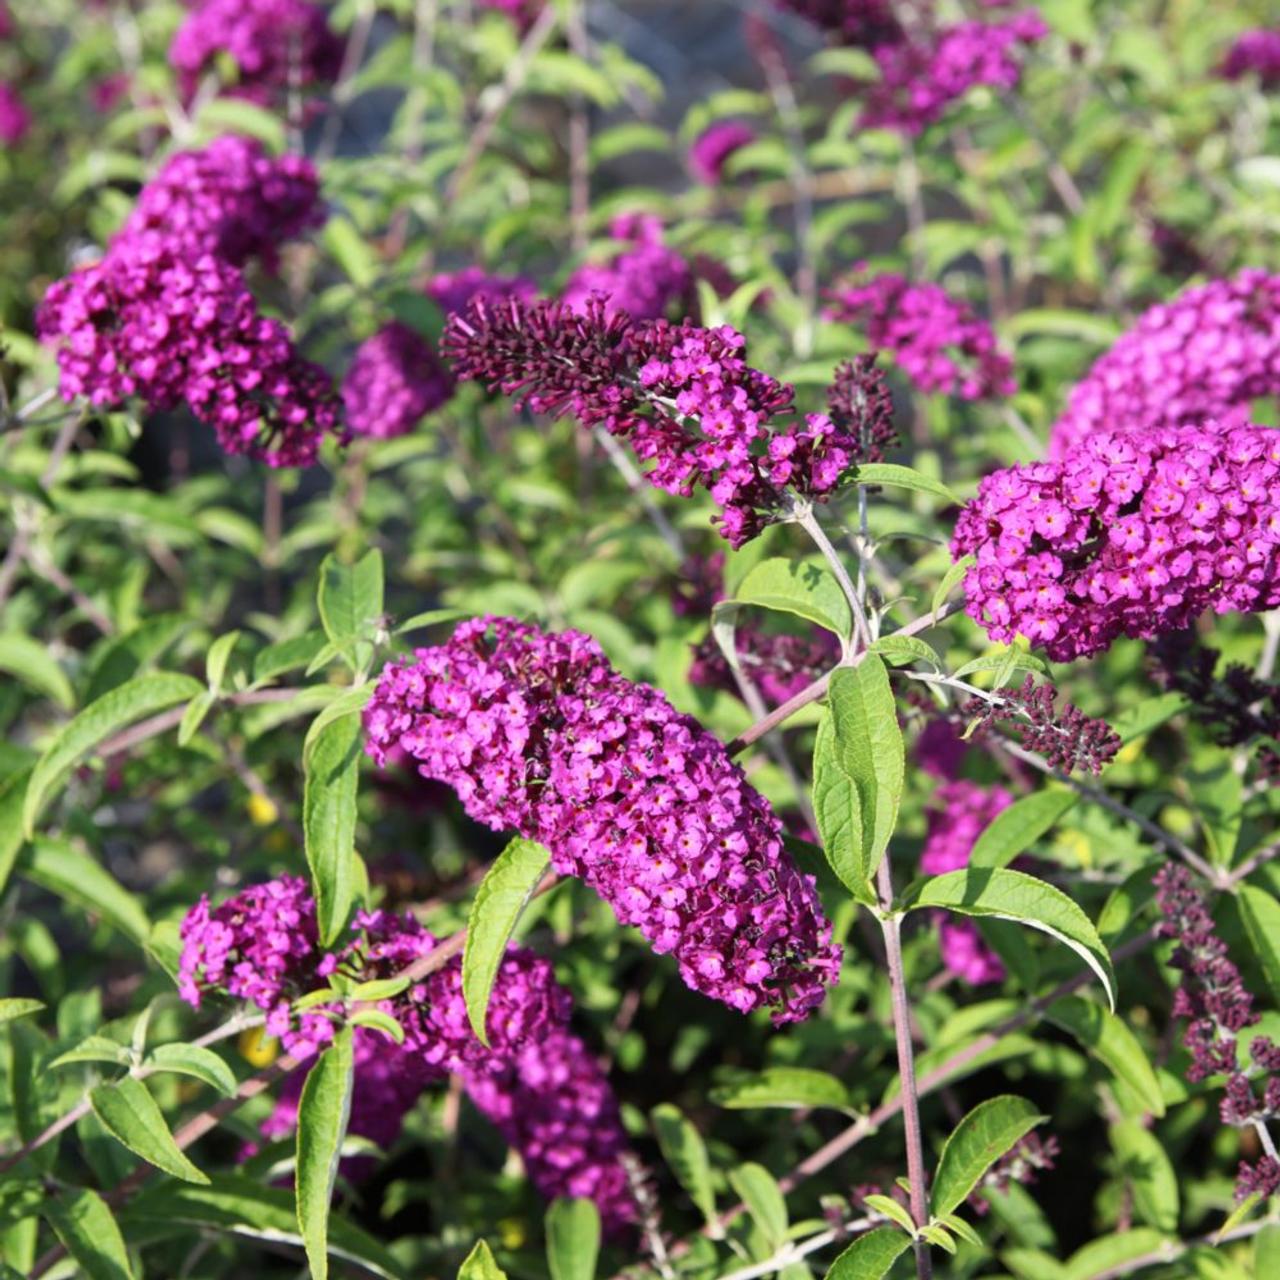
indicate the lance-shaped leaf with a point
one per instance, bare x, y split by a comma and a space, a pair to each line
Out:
858, 767
500, 900
684, 1150
805, 588
870, 1256
12, 1007
480, 1264
349, 600
758, 1190
133, 701
1109, 1040
1261, 915
900, 477
196, 1061
323, 1111
975, 1144
329, 823
81, 1220
32, 663
792, 1087
72, 874
573, 1239
129, 1112
1146, 1167
1012, 895
1015, 829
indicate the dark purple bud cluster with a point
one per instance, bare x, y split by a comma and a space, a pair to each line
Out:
682, 396
860, 405
1218, 1007
1022, 1163
1066, 737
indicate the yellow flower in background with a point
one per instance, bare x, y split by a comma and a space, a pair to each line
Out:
262, 811
257, 1048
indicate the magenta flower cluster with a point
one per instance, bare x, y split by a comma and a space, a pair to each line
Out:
1133, 535
683, 396
644, 279
939, 342
453, 290
272, 44
394, 380
960, 813
1206, 354
1218, 1007
858, 23
712, 148
920, 78
15, 119
1255, 52
231, 200
147, 322
262, 946
539, 735
166, 316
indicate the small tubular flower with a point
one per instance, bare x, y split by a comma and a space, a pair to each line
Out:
538, 734
1206, 354
1134, 534
394, 380
939, 342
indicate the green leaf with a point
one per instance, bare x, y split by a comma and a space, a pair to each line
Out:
350, 600
1013, 895
129, 1112
684, 1150
329, 823
347, 702
350, 251
896, 649
194, 716
239, 1205
1087, 325
32, 663
479, 1264
975, 1144
1147, 1168
1149, 714
893, 1210
784, 1087
1109, 1040
286, 655
500, 900
950, 580
899, 477
133, 701
1266, 1252
13, 791
757, 1188
379, 1020
1107, 1252
215, 663
323, 1111
805, 588
870, 1256
573, 1239
1017, 828
1261, 915
858, 767
82, 1221
72, 874
12, 1007
194, 1060
94, 1049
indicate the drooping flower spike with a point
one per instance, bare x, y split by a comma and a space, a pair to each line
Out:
539, 735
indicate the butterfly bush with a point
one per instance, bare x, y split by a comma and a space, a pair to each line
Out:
858, 23
644, 280
539, 735
1218, 1006
960, 813
920, 78
1206, 354
271, 43
1255, 52
394, 380
712, 148
453, 290
939, 342
231, 200
1134, 534
682, 396
535, 1079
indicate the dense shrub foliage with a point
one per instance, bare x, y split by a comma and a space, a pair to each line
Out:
639, 639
